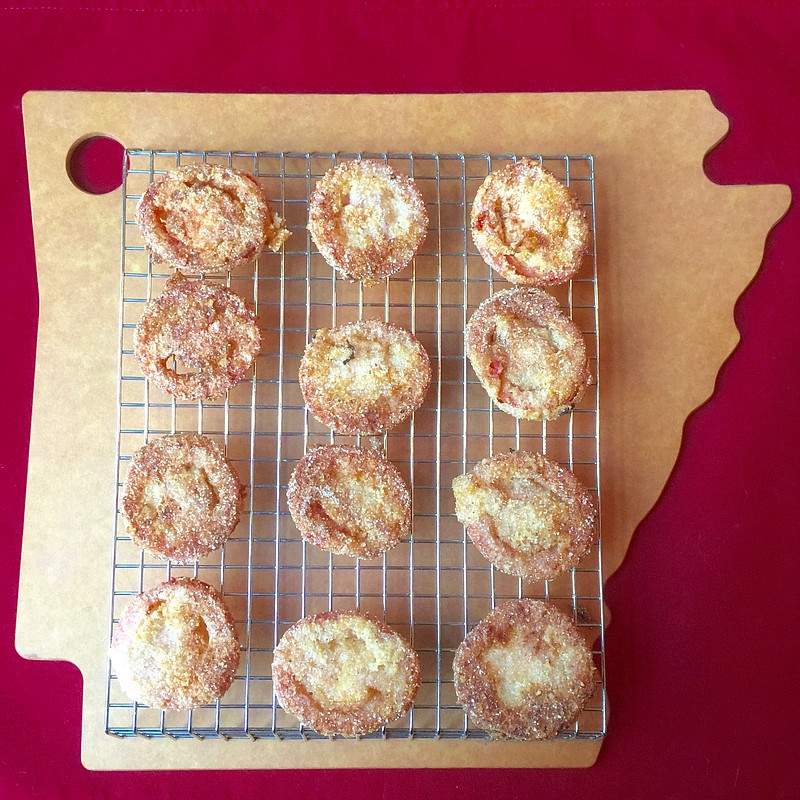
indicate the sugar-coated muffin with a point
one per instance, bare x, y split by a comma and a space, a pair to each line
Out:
528, 515
349, 500
208, 218
175, 646
528, 355
181, 499
529, 226
202, 326
344, 672
367, 220
524, 672
364, 377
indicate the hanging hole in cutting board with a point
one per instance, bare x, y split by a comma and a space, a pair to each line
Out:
94, 164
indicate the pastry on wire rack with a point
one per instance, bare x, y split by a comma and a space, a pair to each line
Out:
175, 646
364, 377
197, 339
528, 515
181, 499
529, 226
367, 220
524, 672
208, 218
344, 672
349, 500
529, 356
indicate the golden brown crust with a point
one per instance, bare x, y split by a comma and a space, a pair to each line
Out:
524, 672
349, 500
364, 377
367, 220
529, 356
175, 646
208, 218
344, 672
202, 325
529, 226
181, 499
528, 515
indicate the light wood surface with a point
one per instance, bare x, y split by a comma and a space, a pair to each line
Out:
674, 253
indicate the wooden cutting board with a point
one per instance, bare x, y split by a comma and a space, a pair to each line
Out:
674, 253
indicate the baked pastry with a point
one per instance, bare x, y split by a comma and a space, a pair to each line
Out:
208, 218
200, 325
349, 500
181, 499
344, 672
528, 515
367, 220
529, 226
364, 377
524, 672
175, 646
529, 356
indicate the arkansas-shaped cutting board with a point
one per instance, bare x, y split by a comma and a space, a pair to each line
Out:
674, 252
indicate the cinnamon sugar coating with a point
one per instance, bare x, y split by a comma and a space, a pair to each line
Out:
344, 672
528, 355
367, 220
181, 499
524, 672
175, 646
208, 218
529, 226
349, 500
526, 514
200, 325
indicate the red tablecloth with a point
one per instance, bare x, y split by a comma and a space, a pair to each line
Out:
702, 654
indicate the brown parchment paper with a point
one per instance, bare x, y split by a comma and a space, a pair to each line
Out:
674, 253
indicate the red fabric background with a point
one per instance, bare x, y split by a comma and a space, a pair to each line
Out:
703, 650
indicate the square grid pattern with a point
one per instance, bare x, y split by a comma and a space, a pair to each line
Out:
433, 588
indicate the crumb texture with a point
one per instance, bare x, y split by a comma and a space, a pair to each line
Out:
349, 500
529, 226
175, 646
367, 220
208, 218
197, 339
528, 515
528, 355
344, 672
181, 499
364, 377
524, 672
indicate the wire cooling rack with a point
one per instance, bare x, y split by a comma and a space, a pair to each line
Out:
432, 588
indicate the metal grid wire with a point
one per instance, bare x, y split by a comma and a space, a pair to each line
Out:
432, 588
